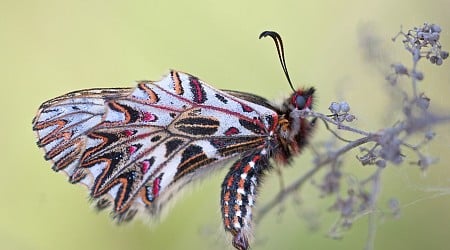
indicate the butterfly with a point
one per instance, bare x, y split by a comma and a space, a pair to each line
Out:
135, 148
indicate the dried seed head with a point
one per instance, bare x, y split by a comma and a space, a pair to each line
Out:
423, 42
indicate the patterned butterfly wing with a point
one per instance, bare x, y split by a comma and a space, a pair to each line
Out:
62, 124
134, 148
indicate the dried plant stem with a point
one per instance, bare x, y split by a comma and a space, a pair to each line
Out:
411, 131
321, 161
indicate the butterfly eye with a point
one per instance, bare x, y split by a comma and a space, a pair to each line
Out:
300, 101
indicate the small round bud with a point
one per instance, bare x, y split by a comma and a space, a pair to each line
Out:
399, 69
444, 54
345, 107
350, 117
433, 59
418, 75
439, 61
435, 28
335, 107
423, 102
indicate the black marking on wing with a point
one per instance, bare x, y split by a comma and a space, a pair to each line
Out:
198, 125
252, 126
172, 145
197, 90
192, 158
221, 98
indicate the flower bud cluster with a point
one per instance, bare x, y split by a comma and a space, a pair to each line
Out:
340, 112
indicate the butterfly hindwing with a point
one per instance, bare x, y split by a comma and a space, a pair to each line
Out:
63, 123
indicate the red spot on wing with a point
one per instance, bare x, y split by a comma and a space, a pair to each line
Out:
232, 131
148, 117
246, 108
156, 186
132, 149
145, 166
128, 132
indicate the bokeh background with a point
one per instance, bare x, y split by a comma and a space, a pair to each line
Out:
52, 47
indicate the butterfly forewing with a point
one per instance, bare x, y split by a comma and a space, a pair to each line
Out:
130, 146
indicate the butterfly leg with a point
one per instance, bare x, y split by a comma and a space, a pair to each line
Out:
239, 193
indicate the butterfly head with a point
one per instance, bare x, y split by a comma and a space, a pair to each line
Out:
302, 99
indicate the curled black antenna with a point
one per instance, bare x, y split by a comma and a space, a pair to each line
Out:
279, 44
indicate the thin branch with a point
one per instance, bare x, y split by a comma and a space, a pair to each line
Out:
283, 194
340, 125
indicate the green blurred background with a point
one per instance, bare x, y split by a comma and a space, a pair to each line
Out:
50, 47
